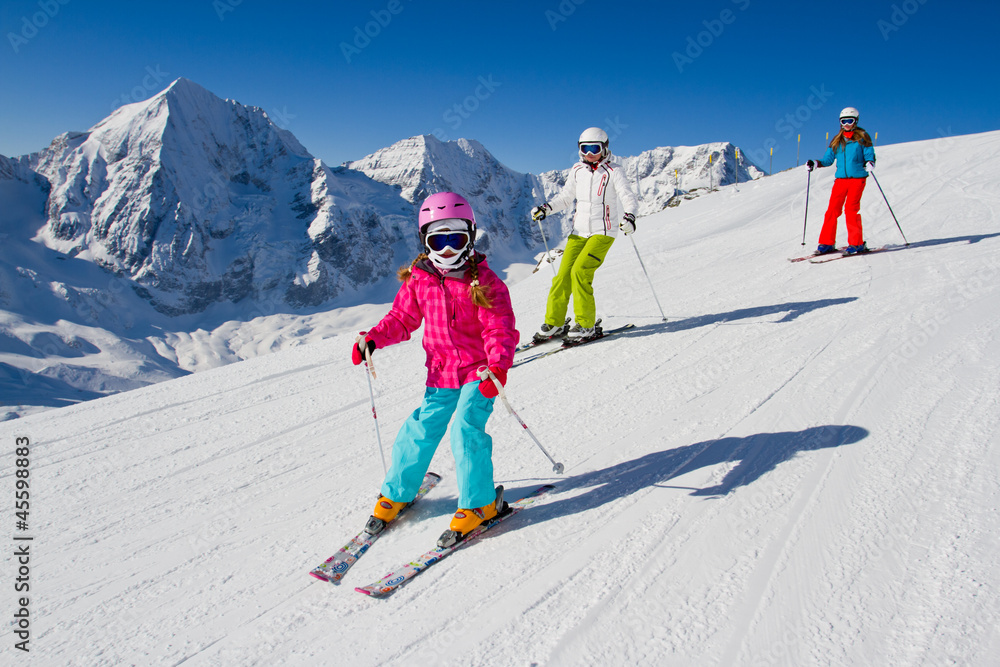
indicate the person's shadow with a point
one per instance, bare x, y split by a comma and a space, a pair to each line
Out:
756, 455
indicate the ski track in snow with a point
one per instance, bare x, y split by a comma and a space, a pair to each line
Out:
803, 470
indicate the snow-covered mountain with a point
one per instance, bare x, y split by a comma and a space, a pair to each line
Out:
199, 200
187, 231
502, 198
660, 175
800, 467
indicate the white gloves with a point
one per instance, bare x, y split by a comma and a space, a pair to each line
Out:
627, 225
539, 212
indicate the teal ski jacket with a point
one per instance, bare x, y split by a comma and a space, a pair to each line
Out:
851, 158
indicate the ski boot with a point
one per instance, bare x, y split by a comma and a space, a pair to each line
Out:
823, 249
465, 520
384, 512
857, 249
548, 332
578, 334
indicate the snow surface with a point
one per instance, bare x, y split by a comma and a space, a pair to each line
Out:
801, 467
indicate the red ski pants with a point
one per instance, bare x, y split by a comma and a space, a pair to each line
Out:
846, 196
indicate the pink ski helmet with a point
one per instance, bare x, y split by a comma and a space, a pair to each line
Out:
444, 205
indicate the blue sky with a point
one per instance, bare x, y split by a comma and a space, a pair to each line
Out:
523, 78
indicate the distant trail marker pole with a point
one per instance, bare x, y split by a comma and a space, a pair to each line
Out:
770, 167
798, 144
736, 168
711, 185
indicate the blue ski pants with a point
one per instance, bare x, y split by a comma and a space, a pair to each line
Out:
471, 446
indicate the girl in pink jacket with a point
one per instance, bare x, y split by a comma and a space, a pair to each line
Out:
468, 324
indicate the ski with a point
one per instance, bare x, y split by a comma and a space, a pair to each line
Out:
812, 255
336, 566
390, 582
548, 258
565, 346
829, 257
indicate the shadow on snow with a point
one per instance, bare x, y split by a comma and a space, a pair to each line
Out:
792, 311
974, 238
754, 456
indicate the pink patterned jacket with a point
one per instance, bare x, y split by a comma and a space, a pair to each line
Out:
459, 337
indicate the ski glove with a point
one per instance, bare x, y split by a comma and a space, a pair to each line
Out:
487, 388
810, 165
627, 225
362, 342
869, 165
539, 212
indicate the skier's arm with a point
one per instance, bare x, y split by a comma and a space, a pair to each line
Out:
500, 335
828, 158
869, 154
629, 202
567, 195
402, 319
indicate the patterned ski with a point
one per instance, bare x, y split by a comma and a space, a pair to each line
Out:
813, 255
392, 581
337, 565
564, 346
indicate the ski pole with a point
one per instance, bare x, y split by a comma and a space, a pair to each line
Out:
652, 289
487, 373
872, 172
370, 372
548, 254
806, 217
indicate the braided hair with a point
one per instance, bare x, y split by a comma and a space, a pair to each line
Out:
477, 292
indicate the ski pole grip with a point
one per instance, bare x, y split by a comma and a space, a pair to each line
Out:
368, 353
485, 373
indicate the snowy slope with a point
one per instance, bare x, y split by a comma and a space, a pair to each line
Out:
801, 467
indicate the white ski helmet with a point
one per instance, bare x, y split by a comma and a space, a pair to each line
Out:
593, 135
850, 112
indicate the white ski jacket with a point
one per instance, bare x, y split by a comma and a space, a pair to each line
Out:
602, 195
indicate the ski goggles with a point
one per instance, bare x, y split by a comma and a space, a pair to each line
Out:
438, 241
591, 149
848, 121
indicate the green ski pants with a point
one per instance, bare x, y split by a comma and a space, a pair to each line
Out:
580, 261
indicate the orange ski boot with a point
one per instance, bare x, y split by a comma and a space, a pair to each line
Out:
384, 512
467, 520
